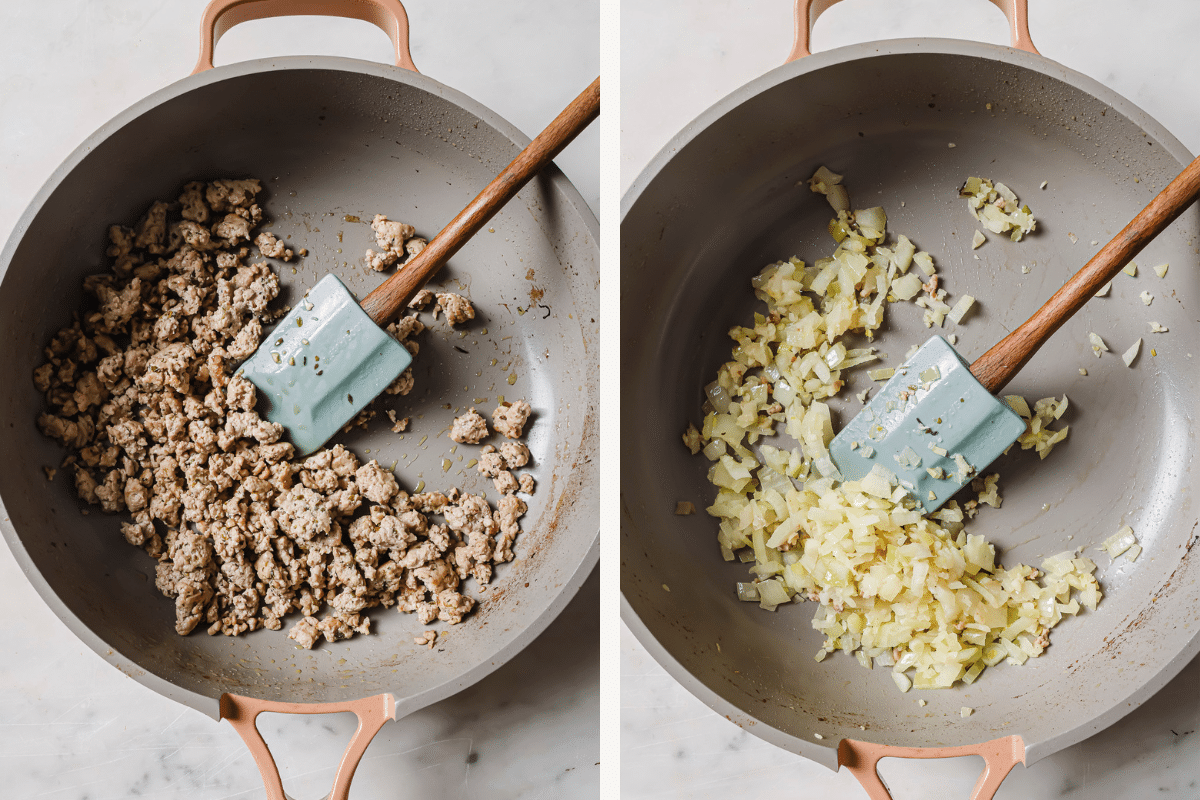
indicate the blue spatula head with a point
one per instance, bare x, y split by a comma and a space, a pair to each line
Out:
322, 365
932, 410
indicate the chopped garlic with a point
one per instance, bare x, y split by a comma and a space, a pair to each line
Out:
1133, 552
1098, 344
819, 736
1130, 269
1129, 355
880, 375
1082, 371
978, 240
966, 712
952, 338
1161, 270
1043, 186
1073, 238
1024, 269
1147, 298
922, 703
1157, 328
1103, 290
997, 207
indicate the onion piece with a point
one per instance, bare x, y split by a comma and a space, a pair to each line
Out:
1161, 270
961, 308
1129, 355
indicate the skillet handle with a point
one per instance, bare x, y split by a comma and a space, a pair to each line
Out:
861, 759
372, 713
807, 12
221, 15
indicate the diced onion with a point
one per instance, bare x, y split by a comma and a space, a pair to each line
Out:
1129, 355
917, 595
961, 308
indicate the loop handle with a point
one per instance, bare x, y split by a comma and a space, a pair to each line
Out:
221, 15
999, 755
807, 12
372, 713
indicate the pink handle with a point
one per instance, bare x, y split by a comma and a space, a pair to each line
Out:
221, 15
372, 713
807, 12
999, 755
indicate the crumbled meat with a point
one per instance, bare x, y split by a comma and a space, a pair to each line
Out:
422, 299
390, 236
143, 390
376, 483
509, 418
305, 632
511, 509
490, 462
414, 246
515, 454
469, 428
458, 308
271, 247
505, 482
527, 483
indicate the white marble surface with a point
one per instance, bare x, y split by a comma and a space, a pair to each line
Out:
71, 727
678, 58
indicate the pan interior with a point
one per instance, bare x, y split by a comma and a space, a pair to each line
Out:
907, 128
335, 142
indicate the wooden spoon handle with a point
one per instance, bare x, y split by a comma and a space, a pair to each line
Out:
391, 297
997, 366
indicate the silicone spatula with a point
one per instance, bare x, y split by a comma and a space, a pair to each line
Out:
358, 359
940, 413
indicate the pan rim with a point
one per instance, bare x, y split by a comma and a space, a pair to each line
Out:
826, 754
573, 200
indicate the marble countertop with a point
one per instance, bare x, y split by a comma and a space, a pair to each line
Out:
71, 727
678, 58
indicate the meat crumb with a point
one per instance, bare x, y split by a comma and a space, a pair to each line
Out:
271, 247
143, 392
390, 236
398, 425
509, 418
422, 299
458, 308
469, 428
